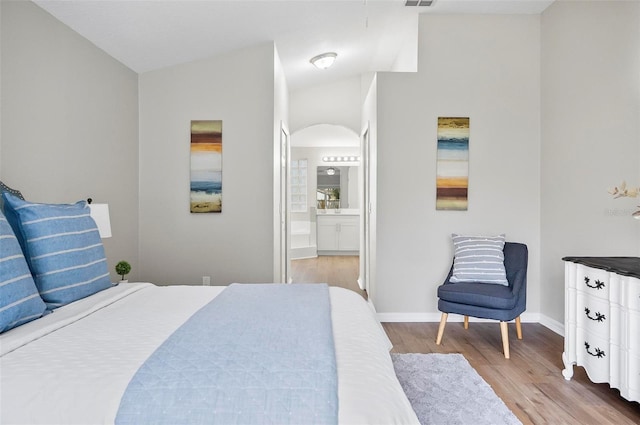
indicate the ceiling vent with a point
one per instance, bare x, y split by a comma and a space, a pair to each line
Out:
418, 2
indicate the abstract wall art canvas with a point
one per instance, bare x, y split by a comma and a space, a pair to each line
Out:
452, 174
206, 166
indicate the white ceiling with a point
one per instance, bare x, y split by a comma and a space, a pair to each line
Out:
146, 35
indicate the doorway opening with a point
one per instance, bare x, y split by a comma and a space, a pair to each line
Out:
325, 202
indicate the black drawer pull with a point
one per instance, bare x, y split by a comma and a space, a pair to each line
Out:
598, 353
599, 316
598, 284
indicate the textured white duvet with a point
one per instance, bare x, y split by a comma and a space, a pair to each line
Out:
72, 366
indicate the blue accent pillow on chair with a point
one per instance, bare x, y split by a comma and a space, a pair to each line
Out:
479, 259
20, 301
63, 249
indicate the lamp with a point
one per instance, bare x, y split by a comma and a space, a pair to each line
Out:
324, 60
100, 214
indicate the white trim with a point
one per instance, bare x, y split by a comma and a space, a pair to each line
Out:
551, 324
545, 321
408, 317
435, 317
304, 252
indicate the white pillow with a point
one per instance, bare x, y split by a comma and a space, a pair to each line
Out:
479, 259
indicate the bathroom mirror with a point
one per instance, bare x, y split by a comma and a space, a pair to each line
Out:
337, 187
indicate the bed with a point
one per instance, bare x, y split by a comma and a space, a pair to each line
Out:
79, 363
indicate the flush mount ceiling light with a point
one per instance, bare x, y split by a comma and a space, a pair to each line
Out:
324, 60
331, 171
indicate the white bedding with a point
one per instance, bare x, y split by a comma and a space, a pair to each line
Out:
72, 366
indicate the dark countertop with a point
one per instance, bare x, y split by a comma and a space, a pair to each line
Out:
626, 266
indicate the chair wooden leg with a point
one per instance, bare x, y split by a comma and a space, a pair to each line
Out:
443, 322
518, 327
504, 330
466, 322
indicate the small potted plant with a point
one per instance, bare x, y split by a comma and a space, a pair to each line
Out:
123, 268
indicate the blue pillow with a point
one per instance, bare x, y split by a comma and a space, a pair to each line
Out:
19, 298
62, 247
479, 259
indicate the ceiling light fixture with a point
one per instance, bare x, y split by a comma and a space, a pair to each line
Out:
340, 158
331, 171
324, 60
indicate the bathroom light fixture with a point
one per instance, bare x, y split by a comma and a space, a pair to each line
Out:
324, 60
331, 171
341, 158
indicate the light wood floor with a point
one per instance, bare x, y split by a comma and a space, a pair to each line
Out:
530, 383
338, 270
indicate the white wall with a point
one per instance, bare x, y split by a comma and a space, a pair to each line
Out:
590, 136
69, 122
177, 247
407, 59
0, 90
486, 68
338, 103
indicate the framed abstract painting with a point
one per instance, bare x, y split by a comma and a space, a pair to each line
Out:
452, 168
206, 166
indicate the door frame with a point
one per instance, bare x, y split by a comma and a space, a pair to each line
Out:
365, 209
285, 204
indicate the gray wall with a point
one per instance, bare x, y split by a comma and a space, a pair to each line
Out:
69, 122
486, 68
590, 136
554, 102
237, 245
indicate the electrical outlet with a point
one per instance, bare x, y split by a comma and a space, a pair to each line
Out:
206, 280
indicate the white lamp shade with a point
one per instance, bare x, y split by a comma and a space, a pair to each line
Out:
100, 214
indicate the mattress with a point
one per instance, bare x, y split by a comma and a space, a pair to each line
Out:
73, 366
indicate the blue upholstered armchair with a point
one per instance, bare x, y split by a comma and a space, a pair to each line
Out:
489, 301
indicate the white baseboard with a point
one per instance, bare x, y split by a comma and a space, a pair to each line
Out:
551, 324
435, 317
304, 252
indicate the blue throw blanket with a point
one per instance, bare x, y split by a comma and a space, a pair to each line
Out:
256, 354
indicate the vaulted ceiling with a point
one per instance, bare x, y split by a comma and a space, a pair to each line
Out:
367, 35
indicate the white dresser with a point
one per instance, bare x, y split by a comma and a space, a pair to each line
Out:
602, 321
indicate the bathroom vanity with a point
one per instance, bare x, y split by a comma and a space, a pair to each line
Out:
338, 232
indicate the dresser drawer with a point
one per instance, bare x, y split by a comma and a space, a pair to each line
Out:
593, 315
593, 281
593, 354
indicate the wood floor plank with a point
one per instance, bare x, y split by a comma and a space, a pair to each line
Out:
335, 270
530, 383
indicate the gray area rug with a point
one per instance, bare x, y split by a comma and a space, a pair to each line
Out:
445, 389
